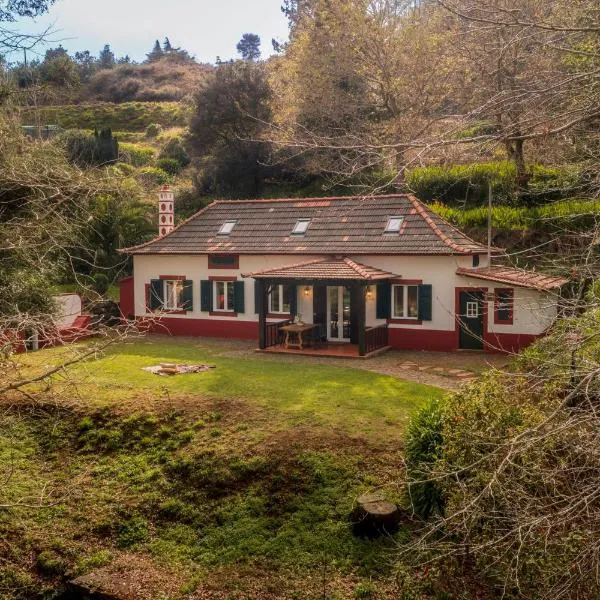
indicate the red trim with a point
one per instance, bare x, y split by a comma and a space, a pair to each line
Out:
147, 297
497, 319
126, 298
222, 278
172, 277
405, 321
457, 292
243, 330
406, 281
422, 339
212, 265
222, 313
510, 342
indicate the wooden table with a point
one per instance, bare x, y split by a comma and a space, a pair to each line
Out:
297, 329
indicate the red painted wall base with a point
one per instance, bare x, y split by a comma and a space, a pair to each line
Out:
422, 339
234, 329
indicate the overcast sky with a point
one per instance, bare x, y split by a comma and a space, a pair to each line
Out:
206, 28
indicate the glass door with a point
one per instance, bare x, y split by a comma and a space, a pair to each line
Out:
338, 312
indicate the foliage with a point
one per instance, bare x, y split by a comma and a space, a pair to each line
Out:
132, 116
150, 177
101, 283
249, 46
137, 155
230, 111
153, 130
467, 185
424, 441
175, 150
168, 165
87, 150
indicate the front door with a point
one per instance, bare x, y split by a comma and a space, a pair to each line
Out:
338, 312
471, 320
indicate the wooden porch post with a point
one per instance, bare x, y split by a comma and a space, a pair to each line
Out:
361, 315
261, 297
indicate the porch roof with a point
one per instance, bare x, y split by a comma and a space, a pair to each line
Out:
518, 277
329, 268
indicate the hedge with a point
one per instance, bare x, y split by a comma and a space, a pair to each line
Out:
129, 116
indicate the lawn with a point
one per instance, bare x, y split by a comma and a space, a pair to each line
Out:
236, 482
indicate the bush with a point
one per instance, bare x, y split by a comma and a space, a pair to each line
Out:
169, 165
136, 154
152, 176
85, 150
175, 150
467, 185
153, 130
424, 442
101, 283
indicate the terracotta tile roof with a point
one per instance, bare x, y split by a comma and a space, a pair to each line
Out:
345, 225
518, 277
324, 268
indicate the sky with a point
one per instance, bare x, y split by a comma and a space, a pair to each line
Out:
205, 28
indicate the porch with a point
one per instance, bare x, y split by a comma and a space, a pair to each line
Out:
333, 294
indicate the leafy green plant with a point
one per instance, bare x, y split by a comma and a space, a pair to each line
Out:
175, 150
152, 176
424, 442
153, 130
132, 531
137, 155
168, 165
101, 283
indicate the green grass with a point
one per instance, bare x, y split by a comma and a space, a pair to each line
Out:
251, 467
128, 116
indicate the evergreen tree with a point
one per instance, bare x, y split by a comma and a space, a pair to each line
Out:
249, 46
167, 46
156, 54
106, 59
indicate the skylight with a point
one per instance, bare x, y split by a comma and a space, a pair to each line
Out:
301, 226
394, 224
227, 227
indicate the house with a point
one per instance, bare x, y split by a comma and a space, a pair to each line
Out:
371, 272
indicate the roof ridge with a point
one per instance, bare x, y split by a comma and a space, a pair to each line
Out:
311, 199
358, 267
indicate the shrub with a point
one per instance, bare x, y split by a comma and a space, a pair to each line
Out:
136, 154
101, 283
50, 563
85, 150
153, 130
174, 149
169, 165
152, 176
132, 531
423, 448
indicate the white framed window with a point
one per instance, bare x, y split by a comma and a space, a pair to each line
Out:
173, 299
472, 311
279, 299
394, 224
223, 299
227, 227
405, 301
301, 226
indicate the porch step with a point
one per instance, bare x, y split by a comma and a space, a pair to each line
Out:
331, 351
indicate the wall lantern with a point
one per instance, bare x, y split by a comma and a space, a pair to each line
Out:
369, 292
307, 291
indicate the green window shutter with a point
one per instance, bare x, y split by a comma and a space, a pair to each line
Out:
293, 291
256, 298
238, 297
157, 287
425, 301
384, 300
188, 295
206, 296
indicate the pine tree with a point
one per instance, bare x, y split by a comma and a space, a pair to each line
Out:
106, 58
167, 46
249, 46
156, 53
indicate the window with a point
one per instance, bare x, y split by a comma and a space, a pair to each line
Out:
405, 302
224, 296
394, 224
475, 260
227, 227
301, 226
173, 295
504, 304
472, 311
223, 261
279, 299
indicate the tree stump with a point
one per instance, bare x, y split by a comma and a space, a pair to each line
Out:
374, 516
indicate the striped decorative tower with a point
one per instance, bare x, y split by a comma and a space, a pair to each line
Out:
166, 210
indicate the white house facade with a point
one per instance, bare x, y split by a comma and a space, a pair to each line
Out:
374, 272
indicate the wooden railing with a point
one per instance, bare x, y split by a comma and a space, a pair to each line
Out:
376, 337
273, 337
